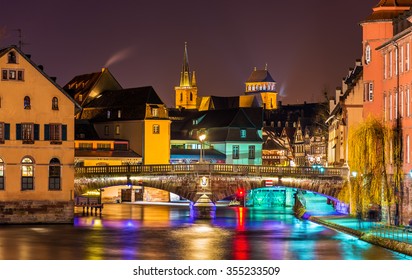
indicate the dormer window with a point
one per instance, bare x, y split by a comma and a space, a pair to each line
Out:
108, 114
155, 112
11, 57
27, 105
243, 133
119, 114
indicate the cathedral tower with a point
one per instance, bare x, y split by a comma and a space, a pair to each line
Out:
186, 92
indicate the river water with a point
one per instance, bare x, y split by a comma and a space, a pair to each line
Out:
169, 232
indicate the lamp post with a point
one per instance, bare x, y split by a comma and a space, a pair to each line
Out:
202, 138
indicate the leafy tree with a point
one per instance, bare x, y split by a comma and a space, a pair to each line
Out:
369, 153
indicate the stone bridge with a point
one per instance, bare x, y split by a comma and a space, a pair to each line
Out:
217, 181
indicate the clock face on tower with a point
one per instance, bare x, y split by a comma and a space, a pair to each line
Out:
367, 54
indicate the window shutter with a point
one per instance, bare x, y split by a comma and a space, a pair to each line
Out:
36, 131
6, 131
64, 132
18, 131
46, 132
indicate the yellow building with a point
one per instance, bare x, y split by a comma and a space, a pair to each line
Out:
36, 143
186, 92
137, 115
262, 85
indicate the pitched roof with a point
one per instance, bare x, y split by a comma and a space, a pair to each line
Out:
260, 76
27, 58
389, 9
131, 102
82, 84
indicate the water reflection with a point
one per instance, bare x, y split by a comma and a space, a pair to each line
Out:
151, 232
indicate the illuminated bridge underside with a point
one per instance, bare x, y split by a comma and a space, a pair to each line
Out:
222, 180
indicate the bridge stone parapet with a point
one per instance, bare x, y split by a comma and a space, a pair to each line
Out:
223, 180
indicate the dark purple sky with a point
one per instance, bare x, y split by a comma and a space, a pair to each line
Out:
308, 45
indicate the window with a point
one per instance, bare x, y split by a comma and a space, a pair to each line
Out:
407, 57
12, 75
367, 54
28, 132
243, 133
385, 109
108, 114
408, 103
27, 174
104, 146
55, 103
106, 130
85, 146
27, 105
54, 175
390, 65
251, 152
402, 105
55, 132
407, 149
390, 107
385, 66
155, 112
396, 104
11, 57
235, 152
117, 129
181, 97
368, 92
119, 114
396, 61
401, 58
191, 96
156, 129
4, 132
1, 174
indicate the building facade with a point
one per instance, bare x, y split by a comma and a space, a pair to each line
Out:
37, 143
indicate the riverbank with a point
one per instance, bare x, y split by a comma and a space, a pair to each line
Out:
365, 231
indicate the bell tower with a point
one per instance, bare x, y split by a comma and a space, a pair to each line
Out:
186, 92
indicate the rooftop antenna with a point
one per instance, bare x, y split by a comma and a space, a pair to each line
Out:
21, 43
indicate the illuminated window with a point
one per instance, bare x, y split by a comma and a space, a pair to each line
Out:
243, 133
27, 174
27, 104
235, 152
155, 112
156, 129
54, 175
55, 103
1, 174
368, 92
117, 129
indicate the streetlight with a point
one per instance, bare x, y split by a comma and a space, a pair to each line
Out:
202, 138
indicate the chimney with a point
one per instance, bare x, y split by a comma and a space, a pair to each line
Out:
104, 69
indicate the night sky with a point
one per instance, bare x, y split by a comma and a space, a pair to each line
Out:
308, 46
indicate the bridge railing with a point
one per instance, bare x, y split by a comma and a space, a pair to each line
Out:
212, 168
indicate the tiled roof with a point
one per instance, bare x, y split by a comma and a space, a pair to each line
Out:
82, 84
389, 9
260, 76
131, 102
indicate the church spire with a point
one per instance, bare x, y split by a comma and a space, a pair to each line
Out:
185, 79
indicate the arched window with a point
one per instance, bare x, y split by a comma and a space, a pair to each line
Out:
1, 174
27, 103
54, 174
11, 57
55, 103
27, 173
191, 96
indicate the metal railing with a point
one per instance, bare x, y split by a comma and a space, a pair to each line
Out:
403, 234
254, 170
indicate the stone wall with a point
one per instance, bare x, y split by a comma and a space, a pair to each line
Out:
36, 212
